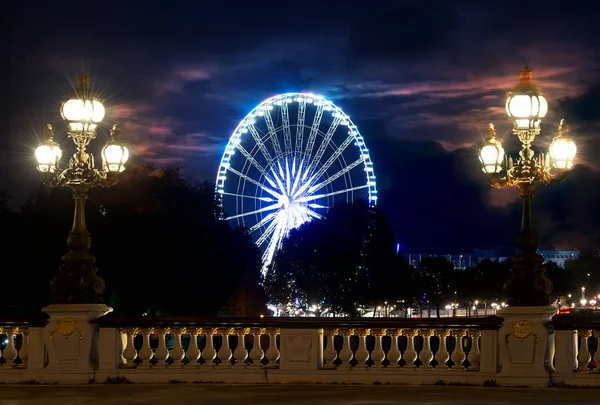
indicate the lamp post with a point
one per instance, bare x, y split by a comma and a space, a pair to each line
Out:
526, 106
77, 281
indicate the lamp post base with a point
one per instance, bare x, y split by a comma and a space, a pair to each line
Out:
68, 339
527, 286
78, 281
524, 340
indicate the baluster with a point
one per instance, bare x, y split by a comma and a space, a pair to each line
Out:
24, 352
426, 354
162, 354
596, 335
475, 353
329, 354
241, 352
346, 353
225, 350
145, 354
362, 354
410, 355
458, 354
10, 351
394, 355
584, 357
442, 356
257, 353
129, 353
193, 351
378, 355
272, 353
209, 353
177, 354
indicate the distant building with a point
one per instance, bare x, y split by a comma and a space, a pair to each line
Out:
558, 256
463, 261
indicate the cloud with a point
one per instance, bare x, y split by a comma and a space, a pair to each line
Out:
161, 140
178, 78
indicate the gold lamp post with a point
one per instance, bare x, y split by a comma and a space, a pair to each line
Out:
77, 281
526, 106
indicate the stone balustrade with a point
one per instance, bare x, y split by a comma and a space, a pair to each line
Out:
15, 349
576, 348
472, 351
360, 350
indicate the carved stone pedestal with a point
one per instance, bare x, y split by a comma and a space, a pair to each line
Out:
523, 341
68, 338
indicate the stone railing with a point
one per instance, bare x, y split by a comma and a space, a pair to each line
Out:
16, 350
525, 347
348, 350
576, 340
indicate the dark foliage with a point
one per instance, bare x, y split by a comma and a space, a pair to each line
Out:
158, 246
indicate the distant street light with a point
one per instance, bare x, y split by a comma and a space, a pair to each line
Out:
526, 106
77, 281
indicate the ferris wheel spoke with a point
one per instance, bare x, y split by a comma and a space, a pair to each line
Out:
317, 196
278, 179
253, 161
334, 156
268, 232
300, 126
287, 177
265, 199
261, 145
272, 133
326, 139
277, 236
297, 178
245, 214
314, 130
262, 222
336, 175
310, 212
287, 136
256, 183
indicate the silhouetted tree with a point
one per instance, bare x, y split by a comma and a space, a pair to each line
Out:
438, 279
159, 247
585, 268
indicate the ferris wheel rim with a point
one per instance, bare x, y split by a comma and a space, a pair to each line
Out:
367, 163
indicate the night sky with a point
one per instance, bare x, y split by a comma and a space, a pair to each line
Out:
421, 80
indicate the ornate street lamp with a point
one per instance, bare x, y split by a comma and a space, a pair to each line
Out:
77, 281
526, 106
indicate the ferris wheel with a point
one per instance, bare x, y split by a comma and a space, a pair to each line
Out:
288, 161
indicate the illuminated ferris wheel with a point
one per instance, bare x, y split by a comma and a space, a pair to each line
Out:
288, 161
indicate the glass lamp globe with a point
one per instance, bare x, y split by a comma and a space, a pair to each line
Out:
48, 154
491, 155
525, 104
82, 111
114, 153
562, 149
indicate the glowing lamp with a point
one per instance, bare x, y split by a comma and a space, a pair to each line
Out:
525, 104
491, 155
48, 154
82, 111
114, 153
562, 149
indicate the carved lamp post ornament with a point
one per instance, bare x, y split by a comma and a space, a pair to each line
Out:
77, 281
526, 106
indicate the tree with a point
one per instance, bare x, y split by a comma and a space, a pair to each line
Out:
336, 263
158, 244
438, 279
563, 279
585, 268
